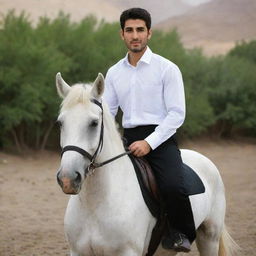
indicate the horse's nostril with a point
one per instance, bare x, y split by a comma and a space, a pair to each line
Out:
59, 180
78, 178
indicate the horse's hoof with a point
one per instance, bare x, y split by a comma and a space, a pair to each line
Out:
177, 242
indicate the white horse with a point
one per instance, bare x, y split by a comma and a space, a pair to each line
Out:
106, 214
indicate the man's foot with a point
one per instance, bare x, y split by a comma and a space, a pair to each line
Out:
177, 242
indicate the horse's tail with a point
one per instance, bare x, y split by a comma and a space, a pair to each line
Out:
227, 246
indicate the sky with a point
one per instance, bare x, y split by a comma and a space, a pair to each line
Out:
195, 2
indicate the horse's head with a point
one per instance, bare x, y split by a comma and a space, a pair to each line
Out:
81, 124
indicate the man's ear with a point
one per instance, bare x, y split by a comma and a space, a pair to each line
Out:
121, 34
98, 87
149, 33
62, 87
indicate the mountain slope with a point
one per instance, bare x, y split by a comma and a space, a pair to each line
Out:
219, 23
107, 9
215, 26
159, 12
77, 9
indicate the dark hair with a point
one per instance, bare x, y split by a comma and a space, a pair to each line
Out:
135, 13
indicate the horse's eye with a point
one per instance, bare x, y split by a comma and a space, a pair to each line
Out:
94, 123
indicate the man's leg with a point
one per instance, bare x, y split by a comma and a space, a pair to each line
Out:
167, 165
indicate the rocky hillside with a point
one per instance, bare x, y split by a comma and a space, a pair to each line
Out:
159, 12
107, 9
216, 25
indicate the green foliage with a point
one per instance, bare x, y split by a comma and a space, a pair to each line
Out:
232, 93
218, 90
31, 56
27, 71
168, 45
246, 50
200, 116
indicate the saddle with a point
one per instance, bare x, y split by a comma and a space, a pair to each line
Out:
152, 197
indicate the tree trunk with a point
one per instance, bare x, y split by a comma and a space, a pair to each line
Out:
46, 135
38, 131
21, 136
16, 140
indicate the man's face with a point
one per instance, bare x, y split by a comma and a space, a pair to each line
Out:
135, 35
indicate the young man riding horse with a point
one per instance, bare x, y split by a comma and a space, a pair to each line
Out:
149, 90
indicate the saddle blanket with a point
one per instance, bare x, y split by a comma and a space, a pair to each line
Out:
192, 183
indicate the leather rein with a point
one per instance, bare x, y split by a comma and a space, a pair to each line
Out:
93, 165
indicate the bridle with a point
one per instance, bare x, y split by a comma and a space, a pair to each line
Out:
93, 165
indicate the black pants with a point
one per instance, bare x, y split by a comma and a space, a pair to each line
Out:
166, 163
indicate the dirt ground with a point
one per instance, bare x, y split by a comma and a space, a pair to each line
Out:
32, 205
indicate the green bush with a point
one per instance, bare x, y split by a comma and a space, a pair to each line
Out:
200, 115
233, 95
27, 73
218, 90
245, 50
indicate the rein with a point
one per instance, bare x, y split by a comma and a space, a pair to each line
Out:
93, 165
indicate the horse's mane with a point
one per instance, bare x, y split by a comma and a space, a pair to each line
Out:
111, 126
79, 93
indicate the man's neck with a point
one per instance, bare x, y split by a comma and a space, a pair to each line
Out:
134, 57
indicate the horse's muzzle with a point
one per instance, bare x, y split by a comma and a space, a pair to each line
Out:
70, 184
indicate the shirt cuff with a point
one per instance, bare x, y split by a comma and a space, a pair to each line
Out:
153, 140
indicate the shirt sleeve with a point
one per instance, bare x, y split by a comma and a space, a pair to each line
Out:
110, 96
174, 99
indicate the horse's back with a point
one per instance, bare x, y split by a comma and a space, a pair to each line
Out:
203, 204
203, 166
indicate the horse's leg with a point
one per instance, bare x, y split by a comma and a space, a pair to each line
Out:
129, 252
73, 254
207, 244
209, 233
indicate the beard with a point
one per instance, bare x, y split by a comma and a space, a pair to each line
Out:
137, 49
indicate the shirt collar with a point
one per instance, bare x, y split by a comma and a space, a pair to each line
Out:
146, 57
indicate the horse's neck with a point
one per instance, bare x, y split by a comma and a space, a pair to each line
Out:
111, 179
112, 143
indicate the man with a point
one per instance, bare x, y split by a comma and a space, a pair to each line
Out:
149, 90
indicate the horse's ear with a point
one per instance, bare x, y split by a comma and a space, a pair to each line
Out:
98, 86
62, 87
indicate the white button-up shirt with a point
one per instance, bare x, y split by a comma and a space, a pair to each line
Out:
151, 93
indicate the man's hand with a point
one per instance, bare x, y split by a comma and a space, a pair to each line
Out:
140, 148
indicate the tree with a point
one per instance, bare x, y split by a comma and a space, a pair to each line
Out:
26, 80
246, 50
233, 95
